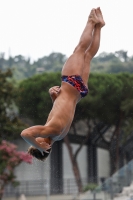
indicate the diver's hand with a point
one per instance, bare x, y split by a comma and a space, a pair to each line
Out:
54, 92
44, 146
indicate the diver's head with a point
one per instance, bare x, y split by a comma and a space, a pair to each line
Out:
37, 154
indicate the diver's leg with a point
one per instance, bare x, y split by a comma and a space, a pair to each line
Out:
75, 63
93, 48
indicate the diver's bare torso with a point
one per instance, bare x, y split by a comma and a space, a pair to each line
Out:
63, 110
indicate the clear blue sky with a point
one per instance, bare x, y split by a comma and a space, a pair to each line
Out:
36, 28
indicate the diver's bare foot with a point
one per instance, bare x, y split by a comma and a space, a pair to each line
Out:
100, 17
93, 17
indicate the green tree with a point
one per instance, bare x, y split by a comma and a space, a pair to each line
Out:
33, 98
53, 62
110, 101
10, 125
122, 55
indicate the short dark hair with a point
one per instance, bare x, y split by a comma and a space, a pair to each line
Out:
37, 154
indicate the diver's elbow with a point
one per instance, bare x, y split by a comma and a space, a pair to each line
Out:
24, 134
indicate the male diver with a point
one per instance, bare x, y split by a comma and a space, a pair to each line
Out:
74, 86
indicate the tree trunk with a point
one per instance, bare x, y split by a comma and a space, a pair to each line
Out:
74, 164
115, 148
112, 159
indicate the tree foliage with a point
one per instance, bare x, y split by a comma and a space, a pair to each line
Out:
33, 98
108, 96
22, 67
10, 125
110, 101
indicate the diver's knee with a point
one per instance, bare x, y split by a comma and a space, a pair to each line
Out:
88, 56
81, 47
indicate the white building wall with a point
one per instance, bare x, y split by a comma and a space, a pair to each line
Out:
82, 161
69, 181
103, 163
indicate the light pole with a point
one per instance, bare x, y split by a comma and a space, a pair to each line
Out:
47, 190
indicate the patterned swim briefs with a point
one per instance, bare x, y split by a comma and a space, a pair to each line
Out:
77, 82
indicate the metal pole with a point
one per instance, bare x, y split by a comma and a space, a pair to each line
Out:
111, 188
94, 195
47, 190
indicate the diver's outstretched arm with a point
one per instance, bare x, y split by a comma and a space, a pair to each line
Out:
30, 135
